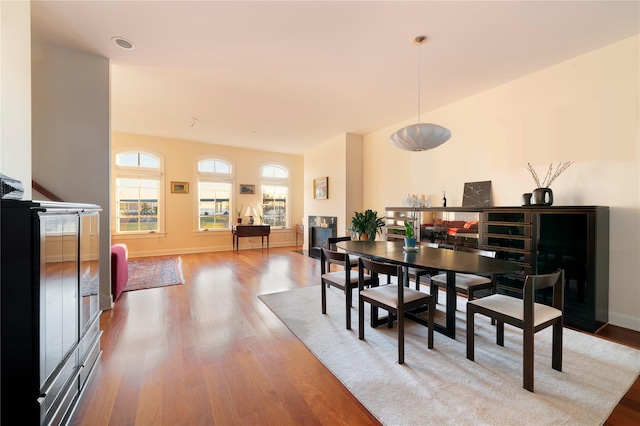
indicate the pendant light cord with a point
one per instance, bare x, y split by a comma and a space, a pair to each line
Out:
419, 41
419, 48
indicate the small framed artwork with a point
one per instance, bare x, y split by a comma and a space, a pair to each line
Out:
180, 187
321, 188
247, 189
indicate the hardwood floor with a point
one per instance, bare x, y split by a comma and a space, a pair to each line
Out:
210, 352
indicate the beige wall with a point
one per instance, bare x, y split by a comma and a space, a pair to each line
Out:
585, 109
181, 157
339, 159
15, 87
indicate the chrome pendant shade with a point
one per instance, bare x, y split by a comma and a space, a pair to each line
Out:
420, 136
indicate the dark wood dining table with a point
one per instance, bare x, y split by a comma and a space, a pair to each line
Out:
440, 259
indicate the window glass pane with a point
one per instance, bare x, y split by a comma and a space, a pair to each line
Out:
206, 166
222, 167
214, 166
137, 204
214, 199
274, 171
274, 204
149, 161
127, 159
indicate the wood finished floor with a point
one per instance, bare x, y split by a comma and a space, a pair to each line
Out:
210, 352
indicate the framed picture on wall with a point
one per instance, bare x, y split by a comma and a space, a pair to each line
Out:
180, 187
247, 189
321, 188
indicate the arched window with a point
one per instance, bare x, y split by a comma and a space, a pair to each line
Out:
138, 180
215, 190
275, 195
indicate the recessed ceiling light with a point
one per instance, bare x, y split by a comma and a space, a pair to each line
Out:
123, 43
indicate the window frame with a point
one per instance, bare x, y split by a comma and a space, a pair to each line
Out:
277, 181
140, 173
216, 177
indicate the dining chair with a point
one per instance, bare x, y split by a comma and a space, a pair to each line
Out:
331, 245
525, 314
393, 298
467, 284
418, 273
345, 279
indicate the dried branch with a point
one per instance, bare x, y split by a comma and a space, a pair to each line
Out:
534, 174
551, 174
561, 168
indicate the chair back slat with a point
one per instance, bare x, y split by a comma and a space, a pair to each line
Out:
381, 268
327, 255
331, 242
485, 253
534, 283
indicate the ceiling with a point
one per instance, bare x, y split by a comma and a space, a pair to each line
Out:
283, 76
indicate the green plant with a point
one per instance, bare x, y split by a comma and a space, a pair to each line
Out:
239, 211
368, 223
408, 229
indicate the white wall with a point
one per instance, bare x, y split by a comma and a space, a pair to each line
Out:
71, 135
15, 92
585, 109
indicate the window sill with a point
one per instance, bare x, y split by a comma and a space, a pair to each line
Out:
139, 235
211, 232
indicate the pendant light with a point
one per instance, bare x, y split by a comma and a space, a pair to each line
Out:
420, 136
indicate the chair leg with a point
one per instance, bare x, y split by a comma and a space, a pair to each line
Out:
324, 298
417, 281
470, 332
556, 357
400, 337
500, 333
430, 331
527, 361
349, 295
433, 289
374, 317
361, 318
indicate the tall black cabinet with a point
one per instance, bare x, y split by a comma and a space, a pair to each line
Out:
542, 239
50, 335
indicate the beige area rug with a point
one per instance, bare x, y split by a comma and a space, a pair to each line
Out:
441, 386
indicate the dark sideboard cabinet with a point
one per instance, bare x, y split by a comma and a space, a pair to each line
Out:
543, 239
540, 239
50, 328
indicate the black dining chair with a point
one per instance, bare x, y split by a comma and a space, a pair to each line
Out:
526, 315
345, 279
331, 245
467, 284
393, 298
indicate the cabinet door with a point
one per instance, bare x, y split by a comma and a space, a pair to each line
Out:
567, 240
89, 273
58, 290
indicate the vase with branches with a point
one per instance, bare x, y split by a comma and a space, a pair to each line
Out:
543, 195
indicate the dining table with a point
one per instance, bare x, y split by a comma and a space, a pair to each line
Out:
441, 259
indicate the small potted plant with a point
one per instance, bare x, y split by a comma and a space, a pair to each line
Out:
239, 214
409, 236
367, 224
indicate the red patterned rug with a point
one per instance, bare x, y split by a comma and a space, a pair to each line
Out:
150, 273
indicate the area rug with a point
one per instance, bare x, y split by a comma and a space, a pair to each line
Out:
441, 386
150, 273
